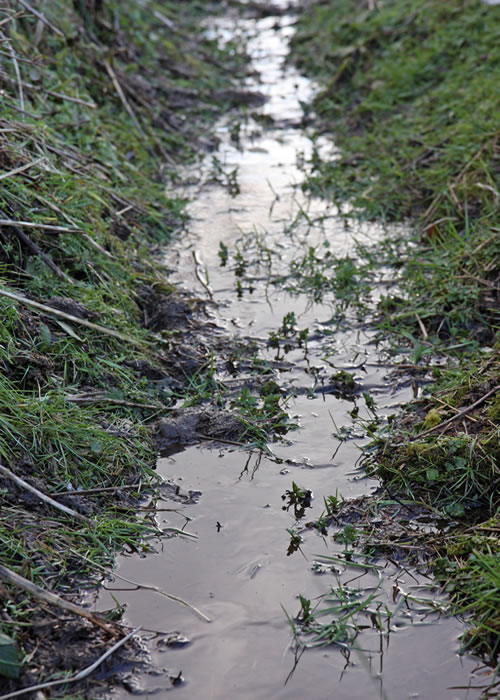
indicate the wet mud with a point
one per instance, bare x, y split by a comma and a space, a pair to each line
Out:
244, 535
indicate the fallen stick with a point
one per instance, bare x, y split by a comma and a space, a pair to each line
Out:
59, 95
146, 587
85, 492
13, 56
47, 227
46, 499
68, 98
41, 17
78, 676
21, 169
97, 246
27, 241
74, 319
75, 229
21, 111
123, 99
197, 266
108, 399
158, 15
11, 18
51, 598
462, 412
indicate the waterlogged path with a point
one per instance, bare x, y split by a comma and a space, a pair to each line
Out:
244, 569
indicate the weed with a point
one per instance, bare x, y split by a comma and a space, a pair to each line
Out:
263, 417
86, 154
223, 254
344, 384
226, 178
348, 536
415, 140
321, 274
299, 499
288, 337
349, 611
295, 542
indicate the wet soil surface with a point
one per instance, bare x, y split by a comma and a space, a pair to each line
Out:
251, 546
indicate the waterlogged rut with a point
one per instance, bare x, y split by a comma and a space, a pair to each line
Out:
255, 540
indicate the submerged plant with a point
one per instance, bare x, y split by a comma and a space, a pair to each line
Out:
297, 498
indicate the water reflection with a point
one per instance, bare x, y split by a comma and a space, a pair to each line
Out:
246, 512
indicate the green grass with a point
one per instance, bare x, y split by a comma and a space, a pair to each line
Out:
115, 99
410, 90
453, 471
346, 616
408, 93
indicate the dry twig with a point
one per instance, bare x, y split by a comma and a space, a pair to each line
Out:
41, 17
46, 499
97, 398
123, 99
21, 169
85, 492
74, 319
462, 412
13, 56
147, 587
27, 241
80, 676
33, 224
199, 277
51, 598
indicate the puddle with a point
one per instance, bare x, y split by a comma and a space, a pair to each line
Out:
239, 569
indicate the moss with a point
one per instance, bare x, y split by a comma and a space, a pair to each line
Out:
494, 409
433, 417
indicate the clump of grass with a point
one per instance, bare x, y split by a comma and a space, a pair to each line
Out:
445, 452
417, 140
469, 570
414, 137
262, 416
101, 103
445, 296
323, 275
448, 446
338, 617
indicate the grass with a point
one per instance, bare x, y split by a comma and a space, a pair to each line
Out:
455, 473
102, 103
407, 92
346, 616
415, 138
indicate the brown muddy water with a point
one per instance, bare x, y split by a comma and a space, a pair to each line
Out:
235, 564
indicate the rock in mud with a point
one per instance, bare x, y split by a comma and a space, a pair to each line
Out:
194, 425
162, 311
240, 98
71, 307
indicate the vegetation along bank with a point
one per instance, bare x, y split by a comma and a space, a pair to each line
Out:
102, 102
410, 92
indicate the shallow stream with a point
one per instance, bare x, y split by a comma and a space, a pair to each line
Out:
240, 570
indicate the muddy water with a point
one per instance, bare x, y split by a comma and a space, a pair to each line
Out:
238, 568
